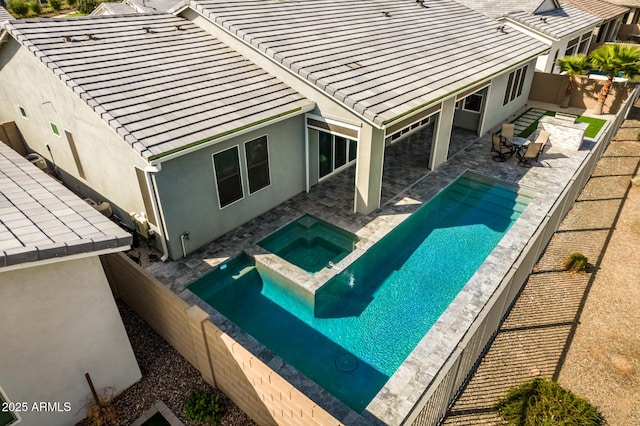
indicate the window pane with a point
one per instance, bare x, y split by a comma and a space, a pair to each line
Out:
522, 77
326, 154
507, 93
353, 150
257, 164
228, 178
473, 102
340, 150
516, 81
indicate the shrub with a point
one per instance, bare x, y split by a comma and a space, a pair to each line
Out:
575, 262
71, 3
102, 413
55, 4
202, 406
35, 7
544, 402
86, 6
18, 7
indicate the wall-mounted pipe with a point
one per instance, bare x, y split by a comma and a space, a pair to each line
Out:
184, 237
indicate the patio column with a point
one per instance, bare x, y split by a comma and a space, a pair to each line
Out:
369, 165
442, 136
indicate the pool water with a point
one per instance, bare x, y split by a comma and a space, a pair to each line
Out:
367, 319
310, 243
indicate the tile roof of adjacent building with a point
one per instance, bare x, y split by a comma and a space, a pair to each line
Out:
599, 8
557, 23
497, 8
41, 219
152, 5
628, 3
161, 82
380, 58
113, 8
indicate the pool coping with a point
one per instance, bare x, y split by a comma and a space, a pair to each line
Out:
404, 389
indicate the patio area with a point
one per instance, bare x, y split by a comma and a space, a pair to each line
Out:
407, 184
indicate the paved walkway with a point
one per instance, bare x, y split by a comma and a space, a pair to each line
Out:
539, 331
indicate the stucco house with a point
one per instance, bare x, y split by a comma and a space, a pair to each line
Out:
612, 18
200, 120
59, 317
566, 29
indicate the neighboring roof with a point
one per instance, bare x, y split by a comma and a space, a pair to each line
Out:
160, 81
113, 8
557, 23
497, 8
152, 5
629, 3
381, 67
599, 8
41, 219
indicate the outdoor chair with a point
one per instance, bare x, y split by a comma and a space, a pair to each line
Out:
532, 153
508, 131
502, 152
543, 138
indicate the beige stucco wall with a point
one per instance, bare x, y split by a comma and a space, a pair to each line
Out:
107, 160
59, 321
551, 88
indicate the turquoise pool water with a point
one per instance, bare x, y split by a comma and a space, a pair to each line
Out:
310, 243
368, 318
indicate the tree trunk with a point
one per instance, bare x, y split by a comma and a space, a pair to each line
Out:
602, 97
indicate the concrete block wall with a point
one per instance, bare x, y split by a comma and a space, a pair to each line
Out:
258, 390
250, 383
165, 312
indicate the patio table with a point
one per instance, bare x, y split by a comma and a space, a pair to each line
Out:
519, 142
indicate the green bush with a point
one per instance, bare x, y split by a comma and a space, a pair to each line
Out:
544, 402
55, 4
86, 6
18, 7
201, 406
35, 7
575, 262
71, 3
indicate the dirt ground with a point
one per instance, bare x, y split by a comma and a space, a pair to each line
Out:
603, 360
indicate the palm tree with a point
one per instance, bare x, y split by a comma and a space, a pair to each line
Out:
613, 59
573, 66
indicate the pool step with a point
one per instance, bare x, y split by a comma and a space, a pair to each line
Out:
490, 201
497, 190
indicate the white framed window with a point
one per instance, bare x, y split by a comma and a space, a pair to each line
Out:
226, 167
257, 163
473, 102
515, 84
572, 47
585, 40
334, 152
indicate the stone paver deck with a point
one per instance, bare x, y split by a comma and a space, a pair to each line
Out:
535, 337
407, 184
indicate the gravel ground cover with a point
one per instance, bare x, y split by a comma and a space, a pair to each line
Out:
166, 376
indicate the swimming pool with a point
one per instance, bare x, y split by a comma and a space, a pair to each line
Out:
310, 243
367, 319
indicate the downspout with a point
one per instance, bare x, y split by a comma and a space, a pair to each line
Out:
306, 153
157, 210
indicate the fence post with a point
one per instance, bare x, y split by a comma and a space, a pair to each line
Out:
196, 318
